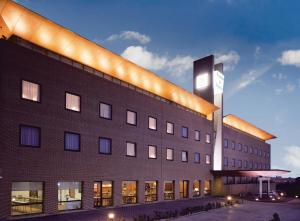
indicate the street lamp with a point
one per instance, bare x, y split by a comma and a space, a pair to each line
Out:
111, 216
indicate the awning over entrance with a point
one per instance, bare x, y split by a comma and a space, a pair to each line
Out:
249, 173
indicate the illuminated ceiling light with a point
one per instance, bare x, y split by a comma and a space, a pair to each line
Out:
21, 27
120, 71
202, 81
157, 88
146, 83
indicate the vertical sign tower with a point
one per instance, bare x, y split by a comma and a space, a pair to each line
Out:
208, 84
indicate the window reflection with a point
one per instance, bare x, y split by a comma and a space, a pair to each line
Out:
150, 191
69, 195
129, 192
103, 193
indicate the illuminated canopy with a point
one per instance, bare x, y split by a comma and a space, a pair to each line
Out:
242, 125
22, 22
249, 173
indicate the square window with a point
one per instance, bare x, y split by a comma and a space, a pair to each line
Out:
170, 154
197, 158
104, 145
207, 159
225, 161
30, 136
184, 156
170, 128
72, 141
130, 149
240, 147
207, 138
226, 143
72, 102
152, 123
152, 152
233, 145
131, 117
31, 91
69, 195
245, 148
105, 111
233, 163
184, 132
197, 135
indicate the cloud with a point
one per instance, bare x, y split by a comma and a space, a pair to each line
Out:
248, 79
279, 76
257, 51
229, 59
130, 35
290, 57
176, 67
292, 156
287, 89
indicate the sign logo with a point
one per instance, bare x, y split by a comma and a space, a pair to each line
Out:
218, 82
202, 81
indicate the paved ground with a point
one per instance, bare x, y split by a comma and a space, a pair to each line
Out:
127, 212
250, 211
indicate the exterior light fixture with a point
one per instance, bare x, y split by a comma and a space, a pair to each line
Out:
256, 199
296, 196
281, 194
111, 216
229, 198
273, 199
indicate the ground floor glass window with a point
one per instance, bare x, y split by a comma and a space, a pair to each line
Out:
169, 190
197, 188
103, 193
150, 191
129, 192
69, 195
26, 198
184, 189
207, 187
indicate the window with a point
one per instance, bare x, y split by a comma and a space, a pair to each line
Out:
207, 159
26, 198
207, 187
69, 195
130, 149
197, 188
152, 152
169, 190
72, 102
251, 150
197, 135
233, 163
31, 91
129, 192
152, 123
184, 189
239, 163
240, 146
233, 145
184, 132
197, 158
225, 161
72, 141
150, 191
103, 193
170, 128
30, 136
184, 156
131, 118
207, 138
245, 164
245, 148
226, 143
104, 145
105, 111
251, 164
170, 154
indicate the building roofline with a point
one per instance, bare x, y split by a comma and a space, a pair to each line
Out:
39, 30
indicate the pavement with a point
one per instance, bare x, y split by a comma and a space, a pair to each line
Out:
250, 211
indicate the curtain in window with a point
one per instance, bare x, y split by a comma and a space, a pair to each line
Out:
130, 149
72, 102
30, 136
72, 141
131, 117
30, 91
105, 145
105, 111
152, 123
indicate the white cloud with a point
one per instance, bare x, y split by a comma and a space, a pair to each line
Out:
130, 35
290, 57
229, 59
292, 156
176, 67
279, 76
247, 79
287, 89
257, 51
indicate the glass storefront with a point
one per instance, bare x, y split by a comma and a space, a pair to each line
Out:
129, 192
207, 187
184, 189
169, 190
197, 188
103, 193
69, 195
26, 198
150, 191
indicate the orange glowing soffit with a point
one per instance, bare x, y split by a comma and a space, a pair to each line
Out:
242, 125
22, 22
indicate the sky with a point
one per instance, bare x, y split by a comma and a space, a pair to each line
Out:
257, 40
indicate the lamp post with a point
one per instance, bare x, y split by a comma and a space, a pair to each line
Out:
111, 216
